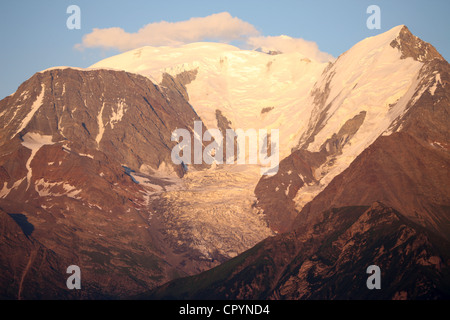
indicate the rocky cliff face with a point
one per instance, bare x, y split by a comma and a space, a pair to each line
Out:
90, 111
70, 143
74, 146
329, 261
85, 160
413, 47
29, 270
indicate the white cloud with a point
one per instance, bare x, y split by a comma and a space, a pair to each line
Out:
220, 27
287, 44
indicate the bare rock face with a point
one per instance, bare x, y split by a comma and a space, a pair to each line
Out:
92, 111
27, 267
75, 148
413, 262
414, 47
275, 194
329, 261
180, 81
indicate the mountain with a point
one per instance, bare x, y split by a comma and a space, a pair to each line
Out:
389, 207
369, 91
329, 261
340, 108
29, 270
250, 89
78, 149
85, 160
86, 175
71, 142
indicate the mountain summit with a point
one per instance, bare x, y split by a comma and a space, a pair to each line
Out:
86, 176
411, 46
389, 207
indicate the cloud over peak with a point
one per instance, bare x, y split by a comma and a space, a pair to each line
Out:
219, 27
287, 44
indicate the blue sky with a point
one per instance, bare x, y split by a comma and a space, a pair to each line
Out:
34, 35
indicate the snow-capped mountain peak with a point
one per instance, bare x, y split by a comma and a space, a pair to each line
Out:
375, 78
251, 89
369, 91
85, 158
